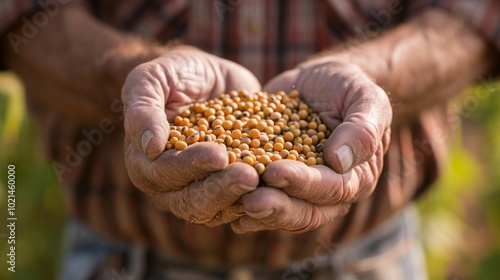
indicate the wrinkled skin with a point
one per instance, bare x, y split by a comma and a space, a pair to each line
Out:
199, 186
298, 198
195, 184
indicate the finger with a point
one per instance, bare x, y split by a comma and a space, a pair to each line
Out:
201, 201
283, 82
368, 174
316, 184
246, 224
174, 169
146, 124
274, 208
367, 118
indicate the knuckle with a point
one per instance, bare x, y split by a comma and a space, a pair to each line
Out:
346, 192
181, 207
368, 185
311, 221
349, 190
337, 195
370, 136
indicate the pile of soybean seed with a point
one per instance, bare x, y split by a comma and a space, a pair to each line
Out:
256, 129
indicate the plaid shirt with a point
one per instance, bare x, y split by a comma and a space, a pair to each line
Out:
267, 37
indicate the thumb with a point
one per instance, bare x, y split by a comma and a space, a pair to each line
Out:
146, 125
365, 126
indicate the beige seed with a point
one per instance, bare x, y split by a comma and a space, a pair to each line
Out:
260, 168
180, 145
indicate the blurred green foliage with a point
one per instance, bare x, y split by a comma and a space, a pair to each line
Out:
460, 215
39, 206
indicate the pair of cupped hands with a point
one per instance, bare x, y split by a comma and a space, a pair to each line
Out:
200, 186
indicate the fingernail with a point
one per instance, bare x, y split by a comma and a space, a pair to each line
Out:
244, 188
259, 215
146, 138
346, 157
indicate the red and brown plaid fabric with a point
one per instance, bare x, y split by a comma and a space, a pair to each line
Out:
267, 37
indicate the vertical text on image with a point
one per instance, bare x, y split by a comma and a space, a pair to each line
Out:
11, 217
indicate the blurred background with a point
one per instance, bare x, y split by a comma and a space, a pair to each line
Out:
460, 216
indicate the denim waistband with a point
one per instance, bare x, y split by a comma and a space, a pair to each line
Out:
395, 245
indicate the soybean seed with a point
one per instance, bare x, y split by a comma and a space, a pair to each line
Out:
256, 129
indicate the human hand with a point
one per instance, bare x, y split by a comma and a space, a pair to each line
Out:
195, 184
298, 198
